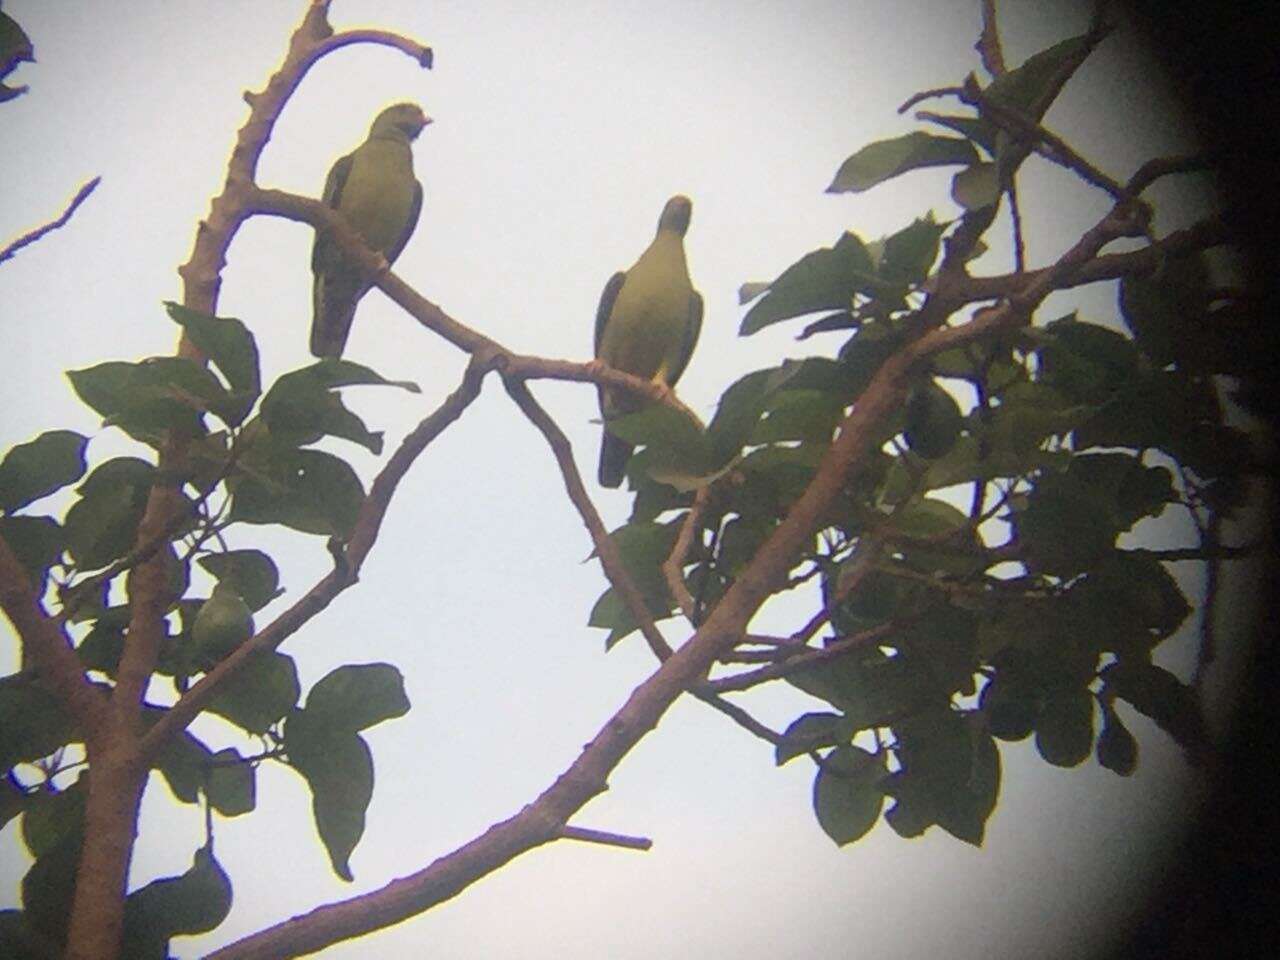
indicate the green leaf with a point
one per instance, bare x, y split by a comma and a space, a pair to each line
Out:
909, 253
32, 723
250, 573
301, 407
1011, 708
976, 186
37, 468
260, 694
230, 346
1085, 361
231, 784
355, 697
933, 422
48, 888
223, 623
102, 525
886, 159
825, 279
103, 646
982, 132
810, 415
644, 547
345, 373
195, 902
17, 940
13, 801
846, 798
37, 542
150, 399
1064, 728
810, 732
675, 445
869, 688
184, 762
950, 775
1033, 86
1158, 694
339, 770
53, 815
307, 490
1116, 749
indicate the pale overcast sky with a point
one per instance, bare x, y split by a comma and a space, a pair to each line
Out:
560, 130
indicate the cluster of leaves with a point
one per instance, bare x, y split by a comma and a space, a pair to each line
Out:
1022, 615
257, 467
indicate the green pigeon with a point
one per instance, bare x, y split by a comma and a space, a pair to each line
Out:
15, 48
374, 189
647, 325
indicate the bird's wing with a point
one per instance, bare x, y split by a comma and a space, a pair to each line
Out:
331, 198
607, 299
415, 208
691, 332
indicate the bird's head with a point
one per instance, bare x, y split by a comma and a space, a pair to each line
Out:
401, 119
675, 215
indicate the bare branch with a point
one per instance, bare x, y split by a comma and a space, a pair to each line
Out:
1153, 170
673, 566
31, 237
609, 839
606, 549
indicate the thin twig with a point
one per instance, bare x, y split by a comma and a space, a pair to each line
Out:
798, 660
1153, 170
1015, 214
610, 558
29, 238
608, 839
673, 566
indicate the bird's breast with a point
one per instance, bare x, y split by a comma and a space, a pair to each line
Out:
378, 195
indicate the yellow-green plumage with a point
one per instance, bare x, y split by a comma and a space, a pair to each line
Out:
647, 325
374, 189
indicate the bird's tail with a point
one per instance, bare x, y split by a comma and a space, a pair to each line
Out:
334, 307
614, 454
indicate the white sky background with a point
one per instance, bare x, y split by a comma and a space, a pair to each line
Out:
560, 131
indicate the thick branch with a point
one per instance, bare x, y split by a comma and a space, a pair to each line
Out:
1212, 232
45, 645
31, 237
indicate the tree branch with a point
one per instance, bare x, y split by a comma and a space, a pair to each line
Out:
606, 549
45, 644
32, 236
609, 839
344, 574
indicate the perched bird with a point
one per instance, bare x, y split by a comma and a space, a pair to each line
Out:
15, 48
374, 189
647, 324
